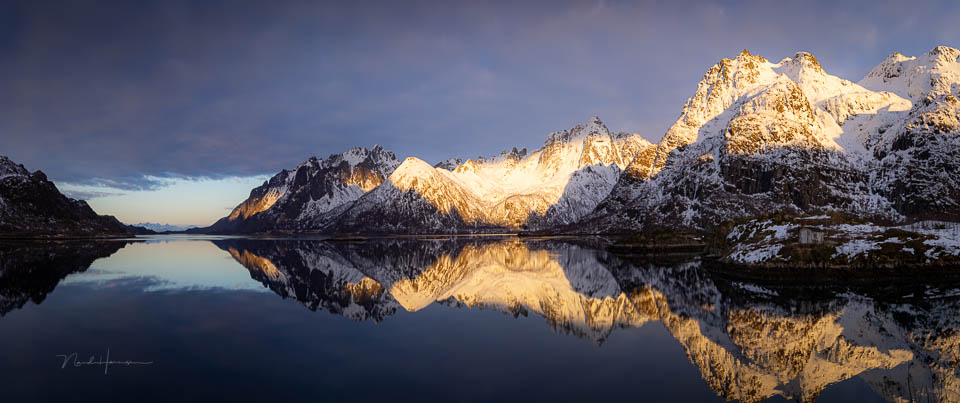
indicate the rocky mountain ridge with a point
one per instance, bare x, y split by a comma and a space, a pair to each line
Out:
756, 137
301, 198
31, 206
761, 137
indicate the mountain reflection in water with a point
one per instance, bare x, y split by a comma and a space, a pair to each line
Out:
749, 341
31, 270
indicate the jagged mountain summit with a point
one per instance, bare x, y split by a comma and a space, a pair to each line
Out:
556, 184
371, 191
760, 137
301, 198
32, 207
919, 148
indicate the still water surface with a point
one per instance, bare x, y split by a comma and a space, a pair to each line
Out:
462, 319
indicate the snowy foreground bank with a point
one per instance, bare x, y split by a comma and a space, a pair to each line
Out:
834, 242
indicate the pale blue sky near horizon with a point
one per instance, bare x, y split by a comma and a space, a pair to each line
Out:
171, 111
183, 201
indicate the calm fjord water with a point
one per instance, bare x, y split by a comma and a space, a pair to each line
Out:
459, 319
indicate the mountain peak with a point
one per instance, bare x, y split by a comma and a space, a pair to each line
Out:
411, 172
32, 206
917, 78
896, 55
944, 54
806, 70
745, 55
889, 69
595, 125
512, 154
807, 60
449, 164
10, 168
357, 155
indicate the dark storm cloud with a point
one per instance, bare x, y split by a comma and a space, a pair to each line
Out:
107, 92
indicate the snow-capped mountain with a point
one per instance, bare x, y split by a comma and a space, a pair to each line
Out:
299, 199
32, 206
759, 137
556, 184
756, 137
919, 147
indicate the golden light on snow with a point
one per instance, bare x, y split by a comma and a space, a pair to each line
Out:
512, 189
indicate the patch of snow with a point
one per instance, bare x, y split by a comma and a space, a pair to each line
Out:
855, 248
816, 217
954, 292
737, 231
781, 231
862, 229
355, 156
946, 241
756, 289
758, 255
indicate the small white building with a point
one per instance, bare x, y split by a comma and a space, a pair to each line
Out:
809, 236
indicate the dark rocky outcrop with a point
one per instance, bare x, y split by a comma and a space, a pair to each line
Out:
31, 206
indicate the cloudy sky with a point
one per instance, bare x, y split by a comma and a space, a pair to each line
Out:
171, 111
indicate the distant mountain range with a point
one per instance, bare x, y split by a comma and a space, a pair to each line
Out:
756, 138
157, 227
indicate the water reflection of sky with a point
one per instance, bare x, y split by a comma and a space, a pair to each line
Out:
209, 345
502, 319
172, 264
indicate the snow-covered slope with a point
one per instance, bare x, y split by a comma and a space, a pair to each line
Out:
919, 148
299, 199
759, 137
556, 184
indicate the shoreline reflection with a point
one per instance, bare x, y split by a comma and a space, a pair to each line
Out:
749, 342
